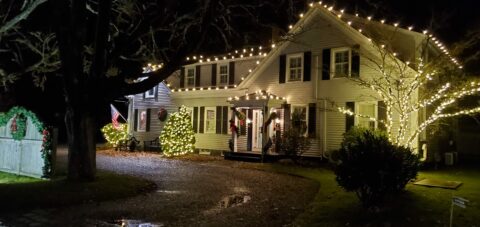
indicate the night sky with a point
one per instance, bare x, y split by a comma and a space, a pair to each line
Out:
449, 20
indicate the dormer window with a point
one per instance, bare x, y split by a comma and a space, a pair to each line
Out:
341, 62
190, 77
223, 74
295, 67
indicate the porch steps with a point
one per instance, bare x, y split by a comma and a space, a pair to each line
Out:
250, 157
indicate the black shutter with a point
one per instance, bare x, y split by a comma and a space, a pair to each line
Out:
231, 73
135, 121
218, 120
214, 75
202, 120
144, 95
312, 119
249, 129
225, 120
147, 129
350, 120
307, 66
382, 115
326, 64
355, 64
155, 90
182, 77
243, 128
195, 119
282, 69
197, 75
286, 117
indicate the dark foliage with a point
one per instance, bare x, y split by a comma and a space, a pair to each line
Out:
370, 165
294, 142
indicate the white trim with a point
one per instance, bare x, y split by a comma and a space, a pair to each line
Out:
186, 85
139, 118
147, 95
287, 68
357, 108
332, 61
219, 83
214, 120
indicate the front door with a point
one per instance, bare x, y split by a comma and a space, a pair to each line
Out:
257, 122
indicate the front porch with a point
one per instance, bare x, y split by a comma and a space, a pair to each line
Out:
260, 119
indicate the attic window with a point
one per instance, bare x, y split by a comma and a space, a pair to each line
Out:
150, 93
341, 62
223, 74
190, 77
295, 67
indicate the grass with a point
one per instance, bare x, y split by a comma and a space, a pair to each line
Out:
18, 193
7, 178
417, 206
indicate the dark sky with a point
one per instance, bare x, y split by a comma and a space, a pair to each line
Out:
450, 20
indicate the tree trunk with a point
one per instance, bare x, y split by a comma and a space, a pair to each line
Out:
80, 126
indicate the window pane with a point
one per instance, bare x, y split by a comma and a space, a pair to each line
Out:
366, 110
210, 121
295, 69
142, 120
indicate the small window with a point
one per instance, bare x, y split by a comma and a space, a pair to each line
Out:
366, 115
142, 121
223, 74
190, 113
190, 77
295, 67
150, 93
341, 62
301, 113
210, 120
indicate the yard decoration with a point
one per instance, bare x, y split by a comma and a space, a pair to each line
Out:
162, 114
240, 115
115, 136
178, 137
18, 129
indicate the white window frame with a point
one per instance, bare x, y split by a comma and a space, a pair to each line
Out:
214, 120
332, 61
357, 111
219, 75
147, 95
139, 118
190, 111
302, 66
306, 115
187, 69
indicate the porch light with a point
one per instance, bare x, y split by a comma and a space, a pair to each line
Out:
249, 121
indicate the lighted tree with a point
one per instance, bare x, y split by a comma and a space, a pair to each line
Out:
417, 86
177, 136
115, 135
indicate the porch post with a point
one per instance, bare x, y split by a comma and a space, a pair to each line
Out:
234, 132
264, 131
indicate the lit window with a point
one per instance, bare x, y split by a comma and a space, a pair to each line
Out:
341, 63
190, 77
366, 111
210, 124
150, 93
142, 121
295, 67
223, 74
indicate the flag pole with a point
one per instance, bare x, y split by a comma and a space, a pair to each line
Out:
112, 106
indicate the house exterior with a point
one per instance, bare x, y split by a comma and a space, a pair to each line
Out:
307, 74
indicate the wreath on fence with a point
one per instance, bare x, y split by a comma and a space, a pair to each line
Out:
18, 128
162, 114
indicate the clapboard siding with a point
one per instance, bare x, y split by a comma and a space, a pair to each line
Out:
164, 101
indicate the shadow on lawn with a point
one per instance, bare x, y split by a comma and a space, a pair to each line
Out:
60, 192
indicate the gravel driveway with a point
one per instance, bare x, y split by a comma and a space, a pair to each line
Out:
193, 194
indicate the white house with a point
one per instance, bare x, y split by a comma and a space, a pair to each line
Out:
308, 72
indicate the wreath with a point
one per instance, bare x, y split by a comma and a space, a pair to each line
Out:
162, 114
18, 127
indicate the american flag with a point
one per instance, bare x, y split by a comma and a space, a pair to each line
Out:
115, 115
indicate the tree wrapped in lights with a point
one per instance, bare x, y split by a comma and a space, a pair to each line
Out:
115, 135
408, 89
177, 137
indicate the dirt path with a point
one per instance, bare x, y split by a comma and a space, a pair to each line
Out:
193, 194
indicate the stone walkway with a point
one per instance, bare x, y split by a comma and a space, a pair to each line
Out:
188, 194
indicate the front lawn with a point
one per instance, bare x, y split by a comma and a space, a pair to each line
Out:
418, 206
18, 192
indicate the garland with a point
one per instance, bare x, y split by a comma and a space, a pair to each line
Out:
20, 116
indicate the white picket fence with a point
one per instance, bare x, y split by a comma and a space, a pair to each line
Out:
22, 157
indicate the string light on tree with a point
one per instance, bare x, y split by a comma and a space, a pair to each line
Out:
178, 137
